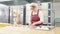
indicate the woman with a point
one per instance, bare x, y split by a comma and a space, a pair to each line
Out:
37, 17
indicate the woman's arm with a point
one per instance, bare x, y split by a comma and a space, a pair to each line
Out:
39, 22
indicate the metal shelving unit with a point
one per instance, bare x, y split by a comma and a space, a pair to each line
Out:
48, 13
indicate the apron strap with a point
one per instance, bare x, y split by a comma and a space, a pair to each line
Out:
31, 13
37, 12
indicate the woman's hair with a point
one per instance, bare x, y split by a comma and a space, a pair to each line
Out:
33, 6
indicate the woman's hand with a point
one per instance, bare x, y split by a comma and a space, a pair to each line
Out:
33, 24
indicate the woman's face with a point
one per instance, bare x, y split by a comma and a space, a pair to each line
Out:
33, 8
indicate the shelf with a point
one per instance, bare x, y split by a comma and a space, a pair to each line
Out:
46, 9
47, 23
47, 16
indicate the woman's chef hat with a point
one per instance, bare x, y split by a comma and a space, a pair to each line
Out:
34, 4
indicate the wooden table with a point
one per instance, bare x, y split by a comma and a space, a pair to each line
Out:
23, 29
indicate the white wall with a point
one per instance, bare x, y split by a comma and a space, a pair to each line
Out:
28, 12
56, 9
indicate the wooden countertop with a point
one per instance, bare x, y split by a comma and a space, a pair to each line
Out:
22, 29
